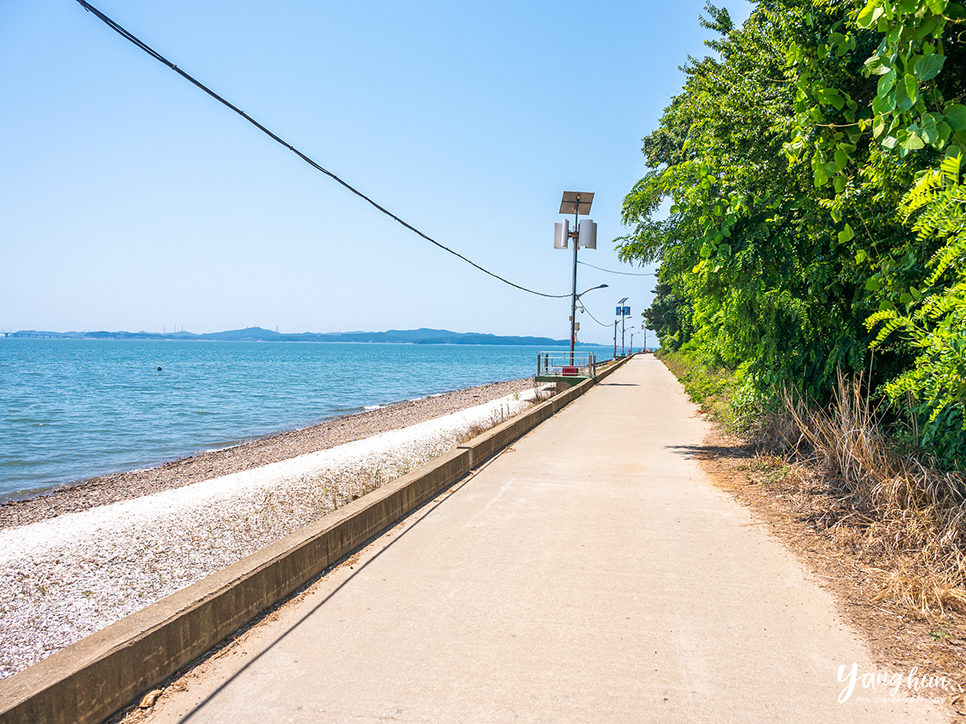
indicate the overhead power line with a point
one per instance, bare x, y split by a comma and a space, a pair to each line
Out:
583, 308
161, 59
609, 271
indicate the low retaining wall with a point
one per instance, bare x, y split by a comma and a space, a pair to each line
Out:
95, 677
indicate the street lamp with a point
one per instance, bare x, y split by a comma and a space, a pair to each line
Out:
584, 234
601, 286
622, 313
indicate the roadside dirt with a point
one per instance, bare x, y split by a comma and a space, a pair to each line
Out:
901, 641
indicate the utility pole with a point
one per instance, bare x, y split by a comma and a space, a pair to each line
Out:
576, 203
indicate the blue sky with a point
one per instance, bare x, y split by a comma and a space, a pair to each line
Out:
131, 200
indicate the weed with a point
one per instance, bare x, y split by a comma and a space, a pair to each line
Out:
901, 517
910, 519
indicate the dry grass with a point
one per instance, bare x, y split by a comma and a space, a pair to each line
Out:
882, 531
478, 428
903, 519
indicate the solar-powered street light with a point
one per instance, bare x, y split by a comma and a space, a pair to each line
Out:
623, 312
584, 234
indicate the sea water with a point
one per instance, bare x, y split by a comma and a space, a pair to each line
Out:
73, 409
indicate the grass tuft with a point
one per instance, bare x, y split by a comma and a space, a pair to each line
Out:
903, 518
898, 518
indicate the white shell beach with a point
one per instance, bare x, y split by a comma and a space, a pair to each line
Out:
66, 577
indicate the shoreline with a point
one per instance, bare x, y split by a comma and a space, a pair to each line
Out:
67, 576
38, 505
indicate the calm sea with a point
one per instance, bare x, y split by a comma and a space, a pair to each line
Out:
72, 409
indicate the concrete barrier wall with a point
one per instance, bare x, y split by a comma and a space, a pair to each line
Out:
92, 679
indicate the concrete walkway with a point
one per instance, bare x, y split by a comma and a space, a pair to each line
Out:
589, 574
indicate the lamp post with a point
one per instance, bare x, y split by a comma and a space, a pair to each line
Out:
622, 313
576, 203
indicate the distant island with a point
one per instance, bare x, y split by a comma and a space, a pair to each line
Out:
257, 334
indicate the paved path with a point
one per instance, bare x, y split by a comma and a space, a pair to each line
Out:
589, 574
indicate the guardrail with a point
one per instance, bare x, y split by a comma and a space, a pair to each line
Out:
565, 367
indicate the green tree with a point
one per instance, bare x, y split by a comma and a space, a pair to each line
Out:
810, 218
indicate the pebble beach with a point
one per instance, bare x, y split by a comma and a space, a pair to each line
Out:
75, 560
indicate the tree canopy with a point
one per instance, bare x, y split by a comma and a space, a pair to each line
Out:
813, 165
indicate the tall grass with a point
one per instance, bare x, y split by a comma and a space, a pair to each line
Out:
898, 513
898, 516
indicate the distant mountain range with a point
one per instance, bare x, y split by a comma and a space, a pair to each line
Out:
257, 334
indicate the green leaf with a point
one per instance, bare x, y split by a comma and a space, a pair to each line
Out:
872, 284
885, 83
846, 234
865, 18
860, 256
937, 7
913, 142
944, 133
929, 130
927, 27
956, 117
950, 167
879, 126
912, 90
831, 97
882, 105
876, 66
836, 214
928, 66
903, 101
839, 183
705, 251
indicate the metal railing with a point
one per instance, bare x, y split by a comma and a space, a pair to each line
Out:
562, 364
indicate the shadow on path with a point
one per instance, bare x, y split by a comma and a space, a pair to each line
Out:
713, 452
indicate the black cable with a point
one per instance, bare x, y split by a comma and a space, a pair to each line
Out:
584, 308
161, 59
628, 274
